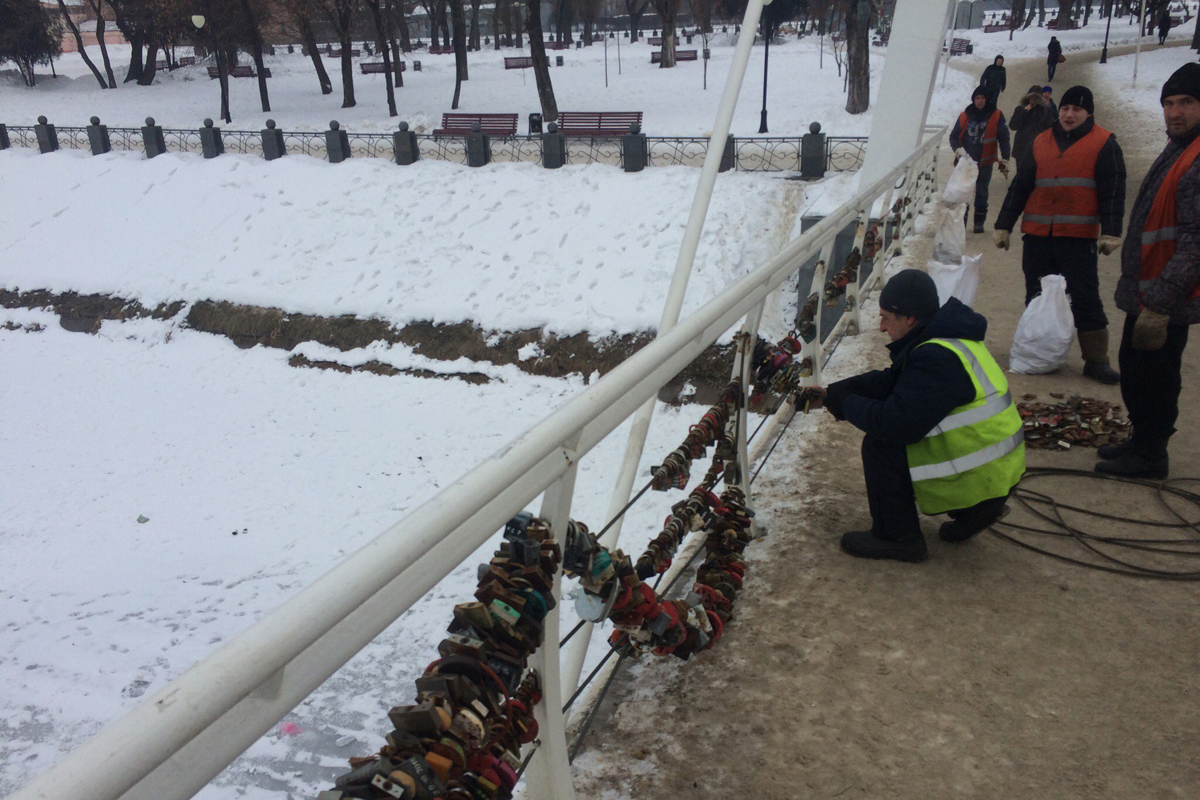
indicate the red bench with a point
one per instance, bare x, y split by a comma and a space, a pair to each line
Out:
680, 55
338, 53
998, 28
654, 41
376, 67
243, 71
558, 45
438, 50
597, 123
492, 124
187, 61
960, 47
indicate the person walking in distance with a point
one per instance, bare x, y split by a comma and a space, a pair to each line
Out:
1159, 287
981, 133
1053, 54
1048, 94
1028, 120
1164, 26
1072, 195
940, 424
994, 80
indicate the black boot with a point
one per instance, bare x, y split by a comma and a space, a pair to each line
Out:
864, 544
1134, 465
1109, 452
973, 520
1094, 345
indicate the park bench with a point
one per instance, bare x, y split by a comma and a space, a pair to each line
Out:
654, 41
338, 53
376, 67
558, 45
493, 124
1176, 21
680, 55
597, 123
187, 61
521, 62
999, 27
438, 50
960, 47
242, 71
160, 64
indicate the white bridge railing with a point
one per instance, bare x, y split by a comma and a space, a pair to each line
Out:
174, 743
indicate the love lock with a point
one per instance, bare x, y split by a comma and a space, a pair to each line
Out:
596, 607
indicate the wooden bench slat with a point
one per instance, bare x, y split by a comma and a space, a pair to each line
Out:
376, 67
597, 123
493, 124
680, 55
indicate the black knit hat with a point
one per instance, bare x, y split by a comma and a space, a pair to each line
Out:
910, 293
1078, 96
979, 90
1185, 80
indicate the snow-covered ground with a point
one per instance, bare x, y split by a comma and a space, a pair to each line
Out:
511, 246
674, 101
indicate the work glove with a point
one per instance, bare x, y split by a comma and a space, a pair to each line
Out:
1150, 330
1001, 238
1109, 244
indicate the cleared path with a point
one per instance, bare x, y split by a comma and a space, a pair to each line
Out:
989, 671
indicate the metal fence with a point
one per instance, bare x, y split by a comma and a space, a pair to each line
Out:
749, 154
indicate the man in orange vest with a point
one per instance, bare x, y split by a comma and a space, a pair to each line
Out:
1159, 288
981, 133
1072, 193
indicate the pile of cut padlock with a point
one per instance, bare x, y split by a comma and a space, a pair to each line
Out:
462, 738
613, 587
675, 471
1082, 421
776, 370
897, 211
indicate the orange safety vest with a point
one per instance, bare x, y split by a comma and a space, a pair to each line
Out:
1158, 235
1064, 200
990, 148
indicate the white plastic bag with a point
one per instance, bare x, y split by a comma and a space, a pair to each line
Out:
1045, 332
956, 280
951, 237
961, 186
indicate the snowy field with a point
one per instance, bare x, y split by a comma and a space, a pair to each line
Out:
673, 101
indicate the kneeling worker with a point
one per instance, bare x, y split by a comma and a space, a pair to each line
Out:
940, 424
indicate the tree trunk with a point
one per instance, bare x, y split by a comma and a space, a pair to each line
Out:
635, 12
256, 50
858, 57
134, 73
108, 70
537, 49
499, 19
475, 39
398, 17
1041, 13
459, 21
390, 10
1018, 14
667, 9
347, 67
310, 44
518, 23
1196, 34
381, 39
151, 65
71, 26
444, 23
587, 33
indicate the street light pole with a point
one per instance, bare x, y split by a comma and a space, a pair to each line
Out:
1107, 27
762, 124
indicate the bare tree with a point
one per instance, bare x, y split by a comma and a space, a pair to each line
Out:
74, 29
702, 11
667, 9
381, 39
635, 9
460, 48
301, 13
340, 14
97, 7
473, 40
256, 50
588, 12
541, 68
858, 55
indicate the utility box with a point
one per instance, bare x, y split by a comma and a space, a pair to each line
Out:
535, 123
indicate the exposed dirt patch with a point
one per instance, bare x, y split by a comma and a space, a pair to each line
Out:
379, 368
248, 326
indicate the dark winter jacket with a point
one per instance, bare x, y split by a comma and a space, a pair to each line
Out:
1028, 124
994, 79
971, 139
1169, 295
902, 404
1053, 50
1110, 181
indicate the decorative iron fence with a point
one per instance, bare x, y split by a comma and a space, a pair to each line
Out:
749, 154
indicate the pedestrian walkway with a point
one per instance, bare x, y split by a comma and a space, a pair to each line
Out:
987, 671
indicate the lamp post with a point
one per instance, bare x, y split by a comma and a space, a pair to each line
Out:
198, 20
1107, 27
762, 124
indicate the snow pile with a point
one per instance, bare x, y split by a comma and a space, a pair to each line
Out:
508, 246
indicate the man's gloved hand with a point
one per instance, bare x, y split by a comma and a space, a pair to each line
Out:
1109, 244
1150, 330
1001, 238
960, 153
1003, 167
810, 398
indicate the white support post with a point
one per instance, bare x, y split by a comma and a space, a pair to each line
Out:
577, 652
549, 774
816, 349
860, 237
902, 106
744, 367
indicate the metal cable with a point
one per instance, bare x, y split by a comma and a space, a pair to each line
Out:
574, 631
591, 717
584, 684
